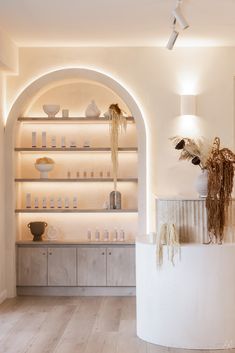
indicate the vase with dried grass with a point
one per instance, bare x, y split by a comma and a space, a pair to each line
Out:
219, 166
118, 124
197, 151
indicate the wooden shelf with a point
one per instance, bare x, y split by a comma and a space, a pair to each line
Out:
74, 242
72, 180
76, 120
73, 149
72, 210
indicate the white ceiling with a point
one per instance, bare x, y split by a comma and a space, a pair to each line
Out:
116, 22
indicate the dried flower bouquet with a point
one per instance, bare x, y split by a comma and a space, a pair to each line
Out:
220, 166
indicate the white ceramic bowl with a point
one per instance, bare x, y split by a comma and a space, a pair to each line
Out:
51, 109
44, 169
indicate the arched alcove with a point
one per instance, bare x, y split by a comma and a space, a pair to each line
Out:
32, 92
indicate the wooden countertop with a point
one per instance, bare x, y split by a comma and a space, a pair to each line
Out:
73, 242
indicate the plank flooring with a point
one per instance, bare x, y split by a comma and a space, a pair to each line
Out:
74, 325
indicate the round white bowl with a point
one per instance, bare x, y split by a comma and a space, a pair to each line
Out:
51, 109
44, 169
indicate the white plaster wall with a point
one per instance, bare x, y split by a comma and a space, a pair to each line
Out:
75, 96
156, 78
8, 53
2, 210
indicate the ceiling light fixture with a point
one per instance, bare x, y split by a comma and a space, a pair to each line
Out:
172, 39
177, 18
173, 36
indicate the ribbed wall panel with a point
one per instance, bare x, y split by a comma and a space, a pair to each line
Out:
190, 218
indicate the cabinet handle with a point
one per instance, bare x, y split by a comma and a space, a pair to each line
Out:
102, 253
110, 253
50, 253
43, 253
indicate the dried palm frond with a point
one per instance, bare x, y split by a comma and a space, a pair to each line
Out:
175, 139
192, 148
205, 149
185, 155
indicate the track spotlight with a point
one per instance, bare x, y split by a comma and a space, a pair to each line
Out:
172, 39
180, 18
177, 18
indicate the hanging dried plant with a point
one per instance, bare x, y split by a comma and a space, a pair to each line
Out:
220, 185
118, 124
169, 236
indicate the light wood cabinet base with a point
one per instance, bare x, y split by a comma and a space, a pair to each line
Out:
84, 270
77, 291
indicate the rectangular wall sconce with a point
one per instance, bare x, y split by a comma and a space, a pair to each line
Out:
188, 105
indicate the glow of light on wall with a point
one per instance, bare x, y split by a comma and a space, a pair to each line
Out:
4, 106
199, 42
187, 126
188, 83
75, 225
130, 92
74, 187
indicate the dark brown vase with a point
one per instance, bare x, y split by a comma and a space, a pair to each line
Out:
37, 230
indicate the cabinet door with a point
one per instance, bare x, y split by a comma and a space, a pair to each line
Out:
91, 266
32, 266
121, 266
61, 266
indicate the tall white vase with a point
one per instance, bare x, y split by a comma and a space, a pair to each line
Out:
92, 111
202, 183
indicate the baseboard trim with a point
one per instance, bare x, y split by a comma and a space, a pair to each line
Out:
3, 296
77, 291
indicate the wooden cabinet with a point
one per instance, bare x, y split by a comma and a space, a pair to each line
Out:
121, 266
91, 266
32, 266
61, 266
76, 266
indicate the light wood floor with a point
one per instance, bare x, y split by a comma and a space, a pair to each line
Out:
73, 325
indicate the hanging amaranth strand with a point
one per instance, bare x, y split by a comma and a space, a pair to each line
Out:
220, 166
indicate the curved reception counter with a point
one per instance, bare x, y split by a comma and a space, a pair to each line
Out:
190, 305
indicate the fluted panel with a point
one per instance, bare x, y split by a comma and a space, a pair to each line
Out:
190, 218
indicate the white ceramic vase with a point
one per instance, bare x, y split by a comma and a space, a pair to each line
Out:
202, 183
92, 111
44, 169
52, 233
